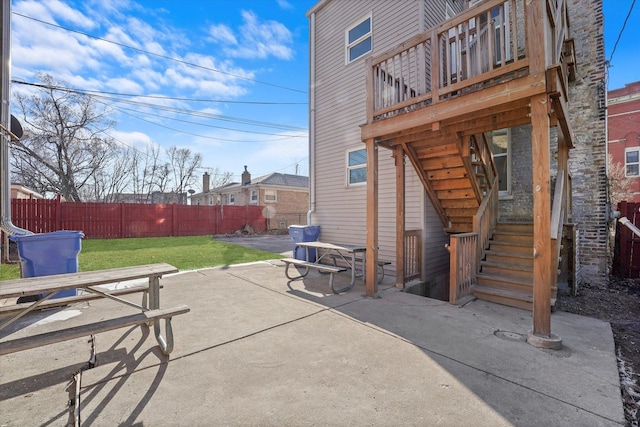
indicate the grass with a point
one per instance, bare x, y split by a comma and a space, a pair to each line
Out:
186, 253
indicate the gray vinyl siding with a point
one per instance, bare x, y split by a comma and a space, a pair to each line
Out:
340, 110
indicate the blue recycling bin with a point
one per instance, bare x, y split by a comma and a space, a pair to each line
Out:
49, 253
304, 233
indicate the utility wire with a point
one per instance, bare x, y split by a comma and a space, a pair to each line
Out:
176, 110
100, 92
159, 55
621, 31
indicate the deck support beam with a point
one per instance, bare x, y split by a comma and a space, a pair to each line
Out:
398, 154
372, 219
541, 334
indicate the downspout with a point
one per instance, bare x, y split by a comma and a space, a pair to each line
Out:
5, 119
312, 116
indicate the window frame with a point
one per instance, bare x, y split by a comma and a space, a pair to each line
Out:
269, 192
254, 197
231, 198
368, 35
349, 168
627, 164
507, 192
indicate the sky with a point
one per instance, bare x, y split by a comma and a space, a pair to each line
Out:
225, 78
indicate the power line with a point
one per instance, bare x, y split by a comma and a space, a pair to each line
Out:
621, 30
175, 110
172, 98
159, 55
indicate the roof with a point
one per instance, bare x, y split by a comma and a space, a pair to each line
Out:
273, 179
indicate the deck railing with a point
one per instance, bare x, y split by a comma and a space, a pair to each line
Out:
412, 255
484, 44
463, 267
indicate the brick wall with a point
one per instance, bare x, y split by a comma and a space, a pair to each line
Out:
587, 162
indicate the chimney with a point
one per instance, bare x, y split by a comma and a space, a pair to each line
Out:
246, 176
205, 182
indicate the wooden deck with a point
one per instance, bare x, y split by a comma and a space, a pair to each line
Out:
433, 98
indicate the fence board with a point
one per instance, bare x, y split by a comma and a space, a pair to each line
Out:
118, 220
626, 258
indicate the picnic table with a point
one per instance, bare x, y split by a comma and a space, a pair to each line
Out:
47, 286
350, 255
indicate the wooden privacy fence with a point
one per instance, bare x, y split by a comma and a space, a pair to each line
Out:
123, 220
626, 257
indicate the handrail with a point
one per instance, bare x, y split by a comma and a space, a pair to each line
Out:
558, 206
486, 218
483, 43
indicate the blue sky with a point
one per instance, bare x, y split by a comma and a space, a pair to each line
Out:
625, 62
249, 56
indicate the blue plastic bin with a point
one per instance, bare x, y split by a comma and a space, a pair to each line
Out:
304, 233
49, 253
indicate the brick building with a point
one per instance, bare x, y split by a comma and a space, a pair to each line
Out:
623, 115
285, 197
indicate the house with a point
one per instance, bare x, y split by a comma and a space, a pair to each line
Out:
19, 191
477, 125
623, 141
285, 197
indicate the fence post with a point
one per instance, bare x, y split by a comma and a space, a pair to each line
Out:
58, 208
174, 217
122, 221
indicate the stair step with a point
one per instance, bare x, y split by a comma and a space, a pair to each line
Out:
513, 248
506, 269
504, 297
513, 284
512, 258
515, 226
510, 236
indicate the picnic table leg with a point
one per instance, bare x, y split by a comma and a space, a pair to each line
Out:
166, 344
286, 272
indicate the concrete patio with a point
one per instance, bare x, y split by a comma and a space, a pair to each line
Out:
257, 350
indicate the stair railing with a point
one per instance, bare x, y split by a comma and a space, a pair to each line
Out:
557, 220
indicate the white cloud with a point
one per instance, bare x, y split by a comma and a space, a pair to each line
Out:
284, 4
50, 10
132, 139
256, 40
222, 34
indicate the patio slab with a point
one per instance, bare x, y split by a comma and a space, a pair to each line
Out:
259, 350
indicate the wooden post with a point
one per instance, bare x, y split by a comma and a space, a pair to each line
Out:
398, 155
541, 217
372, 219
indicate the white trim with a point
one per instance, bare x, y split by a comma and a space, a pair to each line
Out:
637, 163
359, 40
349, 168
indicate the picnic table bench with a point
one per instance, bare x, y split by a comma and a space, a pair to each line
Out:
47, 286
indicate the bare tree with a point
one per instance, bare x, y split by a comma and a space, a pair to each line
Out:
220, 179
183, 164
65, 143
619, 184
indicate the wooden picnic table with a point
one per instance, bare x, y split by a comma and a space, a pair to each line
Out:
47, 286
349, 254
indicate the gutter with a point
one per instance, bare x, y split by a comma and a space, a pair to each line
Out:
312, 116
5, 120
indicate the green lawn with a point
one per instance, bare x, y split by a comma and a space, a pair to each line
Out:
186, 253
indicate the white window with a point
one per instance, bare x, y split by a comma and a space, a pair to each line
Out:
501, 148
632, 161
358, 39
356, 167
270, 196
232, 199
254, 196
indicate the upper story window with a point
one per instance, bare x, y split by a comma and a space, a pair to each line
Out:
632, 161
232, 199
359, 39
356, 167
270, 196
501, 148
254, 196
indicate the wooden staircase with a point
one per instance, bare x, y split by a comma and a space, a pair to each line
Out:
456, 176
506, 273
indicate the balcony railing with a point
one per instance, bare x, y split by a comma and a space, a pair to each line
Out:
481, 46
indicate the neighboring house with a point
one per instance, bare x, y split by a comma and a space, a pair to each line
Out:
19, 191
623, 115
156, 197
431, 100
285, 197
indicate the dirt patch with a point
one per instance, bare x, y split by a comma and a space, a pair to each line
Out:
618, 304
